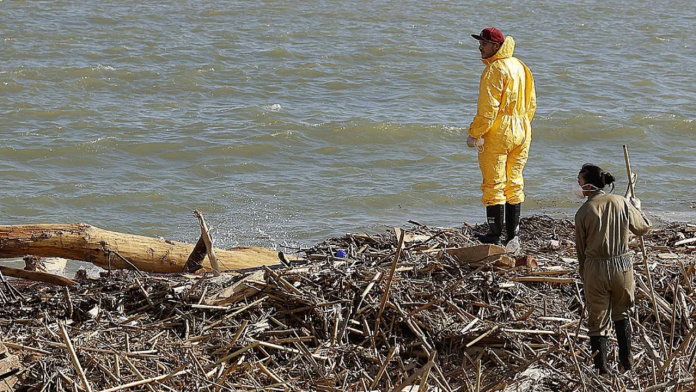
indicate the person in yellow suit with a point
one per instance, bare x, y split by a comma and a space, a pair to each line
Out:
502, 132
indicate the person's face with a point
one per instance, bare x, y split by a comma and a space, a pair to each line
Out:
488, 48
582, 182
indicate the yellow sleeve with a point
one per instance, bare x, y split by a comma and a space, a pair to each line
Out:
531, 110
490, 95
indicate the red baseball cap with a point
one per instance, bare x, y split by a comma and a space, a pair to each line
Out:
490, 34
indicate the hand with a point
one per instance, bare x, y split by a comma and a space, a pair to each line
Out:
635, 202
471, 142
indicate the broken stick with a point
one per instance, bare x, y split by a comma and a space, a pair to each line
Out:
208, 243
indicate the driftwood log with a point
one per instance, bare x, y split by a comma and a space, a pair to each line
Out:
108, 249
36, 276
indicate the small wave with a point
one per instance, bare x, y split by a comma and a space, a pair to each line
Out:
426, 186
430, 159
327, 150
99, 140
149, 148
218, 170
282, 133
272, 108
103, 68
644, 83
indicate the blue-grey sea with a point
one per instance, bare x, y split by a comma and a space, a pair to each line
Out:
288, 122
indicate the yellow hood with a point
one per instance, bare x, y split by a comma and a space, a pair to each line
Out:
504, 52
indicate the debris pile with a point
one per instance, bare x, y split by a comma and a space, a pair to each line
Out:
421, 308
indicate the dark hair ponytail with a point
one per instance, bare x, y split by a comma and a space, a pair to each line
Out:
594, 175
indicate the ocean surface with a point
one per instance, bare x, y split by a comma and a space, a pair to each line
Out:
289, 122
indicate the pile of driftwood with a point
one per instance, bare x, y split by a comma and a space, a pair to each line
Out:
418, 309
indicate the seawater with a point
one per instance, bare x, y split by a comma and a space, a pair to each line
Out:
288, 122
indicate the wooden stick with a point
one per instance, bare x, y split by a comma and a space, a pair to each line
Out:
575, 361
103, 368
684, 344
385, 296
68, 303
147, 381
369, 287
383, 367
478, 374
424, 378
413, 377
135, 371
675, 300
582, 316
208, 243
238, 352
664, 385
73, 357
239, 332
270, 374
471, 343
96, 350
117, 366
3, 296
137, 270
645, 256
443, 378
27, 348
13, 292
647, 345
684, 242
283, 282
544, 279
144, 293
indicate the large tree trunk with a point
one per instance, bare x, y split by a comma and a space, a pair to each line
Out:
101, 247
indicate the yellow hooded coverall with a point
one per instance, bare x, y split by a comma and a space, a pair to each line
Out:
506, 106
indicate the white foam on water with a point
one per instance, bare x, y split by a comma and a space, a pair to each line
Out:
273, 108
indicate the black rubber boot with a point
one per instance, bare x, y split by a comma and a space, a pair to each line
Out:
598, 344
494, 215
623, 336
512, 220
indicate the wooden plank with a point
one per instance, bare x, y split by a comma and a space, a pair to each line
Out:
239, 290
477, 254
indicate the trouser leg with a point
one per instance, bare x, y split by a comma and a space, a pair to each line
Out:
598, 297
493, 164
514, 166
